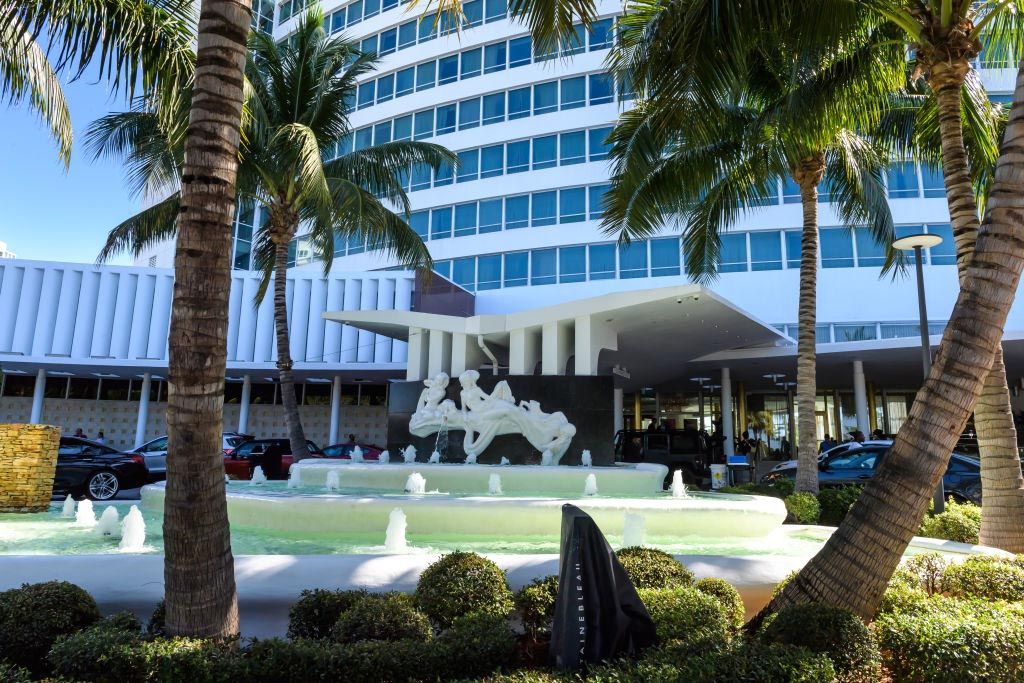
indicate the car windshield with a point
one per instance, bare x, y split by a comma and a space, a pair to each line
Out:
857, 460
234, 441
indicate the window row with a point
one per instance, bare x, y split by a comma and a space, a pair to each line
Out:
826, 333
903, 180
475, 13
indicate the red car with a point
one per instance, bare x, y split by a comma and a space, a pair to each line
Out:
343, 451
239, 463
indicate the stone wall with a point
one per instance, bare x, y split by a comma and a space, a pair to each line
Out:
28, 459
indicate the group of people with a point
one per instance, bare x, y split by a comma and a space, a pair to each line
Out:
80, 434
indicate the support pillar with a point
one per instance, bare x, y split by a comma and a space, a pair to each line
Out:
416, 356
638, 417
860, 398
838, 412
439, 356
741, 407
727, 424
243, 405
37, 397
556, 345
140, 422
872, 407
523, 351
617, 408
335, 410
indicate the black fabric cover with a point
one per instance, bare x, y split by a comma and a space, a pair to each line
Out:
598, 614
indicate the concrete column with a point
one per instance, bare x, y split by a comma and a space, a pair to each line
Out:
556, 342
243, 405
439, 358
335, 410
37, 397
638, 418
872, 407
590, 337
140, 421
522, 351
727, 427
860, 398
741, 407
416, 359
617, 410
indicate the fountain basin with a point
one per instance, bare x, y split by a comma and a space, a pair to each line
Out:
621, 480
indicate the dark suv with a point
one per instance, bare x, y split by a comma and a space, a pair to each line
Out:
680, 449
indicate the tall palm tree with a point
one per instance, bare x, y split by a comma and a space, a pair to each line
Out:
298, 103
126, 41
793, 113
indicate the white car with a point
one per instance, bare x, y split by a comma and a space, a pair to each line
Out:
835, 450
155, 452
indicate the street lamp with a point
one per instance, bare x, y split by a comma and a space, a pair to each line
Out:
917, 243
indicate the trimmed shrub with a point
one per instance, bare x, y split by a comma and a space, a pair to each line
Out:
900, 597
802, 508
836, 633
317, 611
476, 645
951, 640
744, 660
389, 616
11, 673
462, 583
651, 568
34, 616
536, 604
836, 502
727, 596
777, 488
158, 620
276, 660
922, 571
692, 620
959, 522
122, 621
984, 577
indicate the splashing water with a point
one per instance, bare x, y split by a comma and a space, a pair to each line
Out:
227, 479
587, 460
258, 477
590, 486
356, 454
632, 529
133, 532
416, 484
394, 535
494, 485
409, 454
471, 459
435, 458
69, 508
84, 515
110, 523
333, 482
504, 461
384, 458
546, 458
678, 487
294, 478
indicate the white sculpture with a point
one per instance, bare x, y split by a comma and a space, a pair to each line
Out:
484, 416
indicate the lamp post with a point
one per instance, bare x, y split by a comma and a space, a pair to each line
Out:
917, 243
700, 400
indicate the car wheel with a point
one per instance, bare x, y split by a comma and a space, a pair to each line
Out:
102, 485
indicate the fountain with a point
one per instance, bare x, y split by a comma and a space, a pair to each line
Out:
632, 529
110, 522
258, 477
470, 459
394, 535
590, 486
546, 458
357, 454
587, 460
294, 478
416, 484
678, 488
384, 458
227, 479
133, 532
333, 480
84, 515
68, 510
435, 458
504, 461
409, 454
494, 485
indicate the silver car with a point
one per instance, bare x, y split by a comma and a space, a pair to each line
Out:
155, 452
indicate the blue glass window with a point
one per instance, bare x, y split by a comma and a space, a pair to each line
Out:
364, 138
355, 244
598, 145
517, 266
490, 215
601, 35
901, 180
934, 184
371, 8
424, 124
597, 193
542, 210
421, 174
574, 92
448, 69
575, 42
495, 9
389, 4
427, 29
765, 251
443, 268
633, 259
600, 89
449, 23
488, 272
471, 60
494, 108
665, 257
445, 174
403, 128
469, 113
495, 57
469, 165
943, 254
491, 160
385, 88
407, 34
794, 239
573, 148
382, 133
602, 261
869, 251
790, 191
338, 20
345, 145
425, 75
771, 197
572, 264
464, 273
517, 212
545, 151
572, 205
519, 51
388, 41
366, 92
545, 98
518, 157
355, 12
518, 103
441, 223
732, 257
825, 191
543, 263
465, 219
369, 45
446, 119
404, 81
473, 13
836, 248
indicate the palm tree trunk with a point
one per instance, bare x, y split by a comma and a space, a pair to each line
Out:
807, 176
296, 436
853, 568
199, 579
1002, 514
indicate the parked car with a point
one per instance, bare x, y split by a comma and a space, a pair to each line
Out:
856, 466
95, 470
155, 452
240, 461
835, 450
343, 451
680, 449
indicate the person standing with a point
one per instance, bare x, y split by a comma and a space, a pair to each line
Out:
100, 438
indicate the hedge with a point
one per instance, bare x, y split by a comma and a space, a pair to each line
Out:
984, 577
959, 522
462, 583
34, 616
653, 569
535, 603
687, 617
387, 616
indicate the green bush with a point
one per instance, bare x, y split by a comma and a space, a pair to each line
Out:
389, 616
652, 568
948, 640
34, 616
777, 488
836, 633
959, 522
156, 626
276, 660
802, 508
378, 661
836, 502
316, 612
536, 604
984, 577
691, 619
11, 673
743, 660
462, 583
923, 572
476, 645
901, 597
727, 596
122, 621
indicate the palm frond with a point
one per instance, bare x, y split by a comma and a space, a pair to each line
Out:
145, 229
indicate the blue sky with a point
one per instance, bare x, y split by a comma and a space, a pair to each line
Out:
50, 214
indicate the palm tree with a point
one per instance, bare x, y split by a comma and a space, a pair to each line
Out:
298, 107
148, 41
794, 113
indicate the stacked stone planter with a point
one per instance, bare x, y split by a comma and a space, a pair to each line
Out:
28, 459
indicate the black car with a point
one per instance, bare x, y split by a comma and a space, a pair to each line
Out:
87, 468
678, 449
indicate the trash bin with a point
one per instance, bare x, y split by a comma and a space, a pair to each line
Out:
719, 476
740, 473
